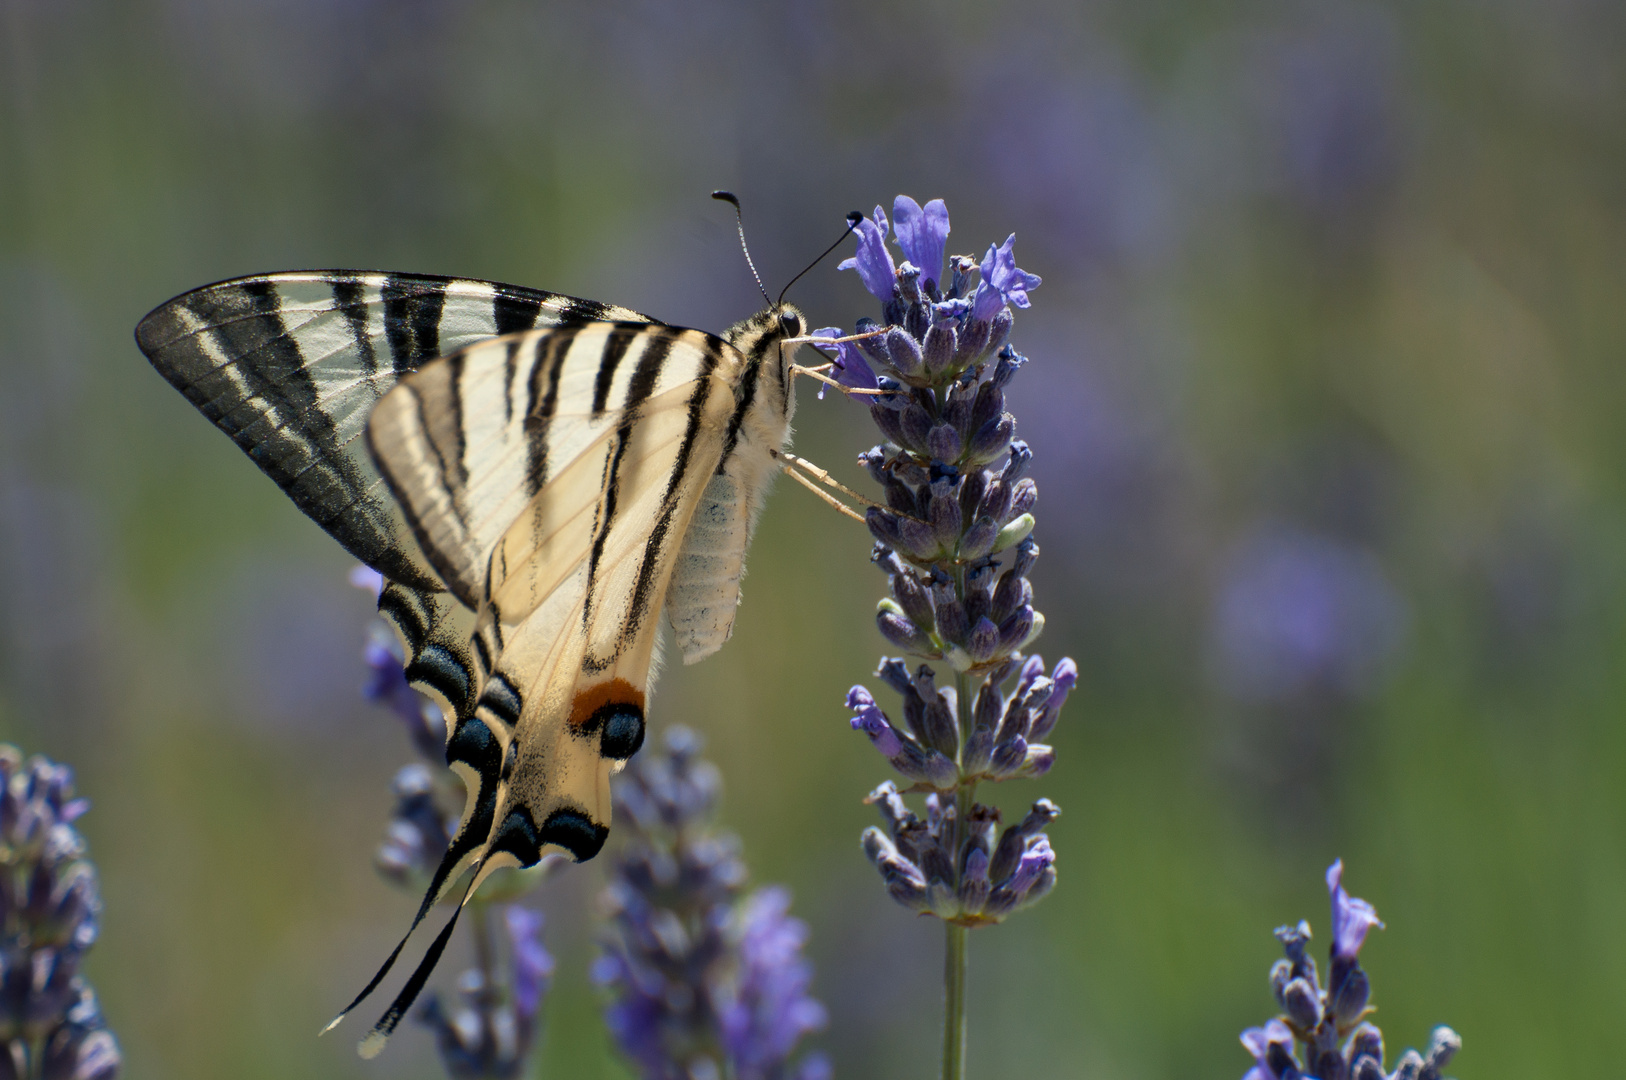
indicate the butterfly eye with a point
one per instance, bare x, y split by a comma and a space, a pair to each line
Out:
790, 323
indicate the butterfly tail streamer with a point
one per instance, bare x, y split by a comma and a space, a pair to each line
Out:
470, 842
373, 1044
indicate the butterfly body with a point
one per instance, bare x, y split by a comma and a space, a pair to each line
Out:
536, 477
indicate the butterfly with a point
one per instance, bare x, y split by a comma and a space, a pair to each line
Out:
535, 477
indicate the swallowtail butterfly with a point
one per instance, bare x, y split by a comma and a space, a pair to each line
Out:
534, 476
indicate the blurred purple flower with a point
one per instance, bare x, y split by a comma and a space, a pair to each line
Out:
768, 1010
490, 1032
50, 907
1330, 1024
1300, 612
1331, 94
533, 967
701, 982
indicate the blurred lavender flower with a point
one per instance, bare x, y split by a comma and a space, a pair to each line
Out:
491, 1031
50, 1026
949, 519
1303, 614
492, 1027
703, 984
1330, 1024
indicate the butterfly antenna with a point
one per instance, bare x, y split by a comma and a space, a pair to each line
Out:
739, 220
852, 223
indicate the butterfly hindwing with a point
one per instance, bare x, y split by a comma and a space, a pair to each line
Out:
562, 523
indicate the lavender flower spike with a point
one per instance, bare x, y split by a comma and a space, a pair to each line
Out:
954, 539
703, 983
490, 1034
50, 1025
1329, 1025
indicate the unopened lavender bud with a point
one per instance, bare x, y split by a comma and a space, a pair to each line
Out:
1302, 1004
889, 419
1064, 678
979, 540
992, 440
1024, 496
972, 343
1008, 757
974, 884
873, 461
962, 269
918, 539
1006, 367
978, 753
979, 601
883, 525
875, 346
901, 498
1038, 761
988, 405
903, 878
1017, 629
1410, 1066
983, 641
913, 599
941, 730
996, 500
904, 352
1281, 973
1012, 592
1349, 992
972, 490
943, 443
1027, 553
1443, 1045
916, 425
895, 673
945, 515
896, 627
989, 705
1013, 533
952, 623
1017, 466
1367, 1042
1366, 1069
999, 330
939, 347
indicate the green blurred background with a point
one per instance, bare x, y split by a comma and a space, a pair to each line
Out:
1326, 398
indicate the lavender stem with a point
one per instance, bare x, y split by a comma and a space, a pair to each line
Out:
954, 942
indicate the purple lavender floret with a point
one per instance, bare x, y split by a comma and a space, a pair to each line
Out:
50, 905
703, 980
490, 1032
768, 1010
954, 538
1328, 1027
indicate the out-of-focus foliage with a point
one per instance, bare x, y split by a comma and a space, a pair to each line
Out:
1327, 398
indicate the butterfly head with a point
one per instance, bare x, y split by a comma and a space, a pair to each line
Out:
769, 340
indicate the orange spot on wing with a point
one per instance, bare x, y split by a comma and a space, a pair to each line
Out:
614, 692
